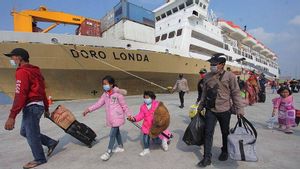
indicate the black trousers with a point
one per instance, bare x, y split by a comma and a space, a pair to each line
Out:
210, 123
181, 97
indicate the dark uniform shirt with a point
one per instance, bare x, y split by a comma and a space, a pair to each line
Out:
227, 96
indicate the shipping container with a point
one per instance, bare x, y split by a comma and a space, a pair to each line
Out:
108, 20
89, 28
126, 10
141, 15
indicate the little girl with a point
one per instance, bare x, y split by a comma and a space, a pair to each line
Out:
284, 105
116, 109
147, 110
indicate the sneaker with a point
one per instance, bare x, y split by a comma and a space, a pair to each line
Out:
144, 152
288, 131
223, 156
204, 162
105, 156
164, 145
270, 126
118, 150
281, 128
51, 148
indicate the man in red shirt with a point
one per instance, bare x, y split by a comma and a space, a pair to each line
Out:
30, 96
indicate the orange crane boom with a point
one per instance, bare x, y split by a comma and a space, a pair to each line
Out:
24, 21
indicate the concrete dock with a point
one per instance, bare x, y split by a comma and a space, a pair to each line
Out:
276, 150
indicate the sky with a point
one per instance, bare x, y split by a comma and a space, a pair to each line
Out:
276, 23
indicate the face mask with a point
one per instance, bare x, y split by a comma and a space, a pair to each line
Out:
214, 69
148, 101
13, 63
106, 87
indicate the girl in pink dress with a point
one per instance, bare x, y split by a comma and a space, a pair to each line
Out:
284, 106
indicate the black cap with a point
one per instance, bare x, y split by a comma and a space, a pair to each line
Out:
18, 52
217, 58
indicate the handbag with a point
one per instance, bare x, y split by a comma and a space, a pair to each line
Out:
241, 141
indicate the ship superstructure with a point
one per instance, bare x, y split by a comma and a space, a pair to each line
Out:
190, 27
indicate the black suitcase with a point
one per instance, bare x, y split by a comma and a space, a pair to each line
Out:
261, 97
82, 132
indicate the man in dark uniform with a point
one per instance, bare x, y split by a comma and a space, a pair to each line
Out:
220, 93
30, 96
200, 83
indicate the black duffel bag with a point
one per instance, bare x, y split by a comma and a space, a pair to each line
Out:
194, 133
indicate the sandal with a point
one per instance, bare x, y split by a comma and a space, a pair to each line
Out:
51, 148
32, 164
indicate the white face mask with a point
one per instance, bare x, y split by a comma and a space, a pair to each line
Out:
148, 101
214, 69
13, 63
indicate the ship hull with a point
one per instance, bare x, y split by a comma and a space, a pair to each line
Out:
75, 72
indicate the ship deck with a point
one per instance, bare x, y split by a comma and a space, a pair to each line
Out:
275, 149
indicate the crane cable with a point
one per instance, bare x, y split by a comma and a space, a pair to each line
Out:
118, 68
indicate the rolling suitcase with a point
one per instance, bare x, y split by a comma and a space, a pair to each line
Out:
65, 119
82, 132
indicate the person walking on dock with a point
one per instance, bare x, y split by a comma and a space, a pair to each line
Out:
116, 109
221, 93
30, 96
182, 86
200, 83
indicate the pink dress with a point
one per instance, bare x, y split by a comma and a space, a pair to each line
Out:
286, 110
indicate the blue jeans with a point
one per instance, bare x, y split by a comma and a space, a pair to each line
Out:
146, 141
114, 134
30, 129
274, 90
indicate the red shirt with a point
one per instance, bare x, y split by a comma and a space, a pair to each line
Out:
30, 87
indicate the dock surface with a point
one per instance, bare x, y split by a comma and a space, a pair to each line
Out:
275, 149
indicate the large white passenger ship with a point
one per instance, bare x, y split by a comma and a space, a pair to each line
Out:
142, 49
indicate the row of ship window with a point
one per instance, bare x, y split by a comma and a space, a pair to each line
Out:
170, 35
251, 57
180, 7
242, 53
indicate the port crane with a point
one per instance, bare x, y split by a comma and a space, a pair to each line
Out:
26, 21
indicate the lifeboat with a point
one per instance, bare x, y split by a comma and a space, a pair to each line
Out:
226, 26
270, 54
234, 30
249, 41
258, 47
238, 34
265, 51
